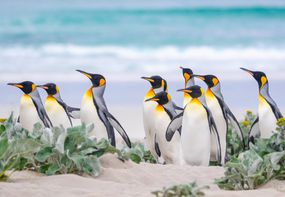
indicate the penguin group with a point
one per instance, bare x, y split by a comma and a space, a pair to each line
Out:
55, 112
194, 134
197, 133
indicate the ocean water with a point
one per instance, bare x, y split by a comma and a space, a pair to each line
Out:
45, 41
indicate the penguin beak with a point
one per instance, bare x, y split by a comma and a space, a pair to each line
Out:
43, 87
181, 67
200, 77
16, 85
184, 90
89, 75
148, 79
152, 99
249, 71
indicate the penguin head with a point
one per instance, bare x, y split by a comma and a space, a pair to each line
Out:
187, 74
50, 88
26, 86
210, 80
156, 82
96, 79
260, 77
161, 98
194, 91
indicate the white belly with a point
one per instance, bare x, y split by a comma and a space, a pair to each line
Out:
56, 113
28, 113
195, 137
88, 115
149, 125
221, 124
267, 120
170, 151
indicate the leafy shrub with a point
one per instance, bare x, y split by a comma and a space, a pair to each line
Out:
50, 151
187, 190
138, 153
264, 161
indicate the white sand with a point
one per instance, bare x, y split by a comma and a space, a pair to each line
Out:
125, 179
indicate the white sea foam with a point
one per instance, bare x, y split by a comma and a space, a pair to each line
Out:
58, 62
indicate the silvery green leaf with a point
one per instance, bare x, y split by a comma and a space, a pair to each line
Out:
47, 136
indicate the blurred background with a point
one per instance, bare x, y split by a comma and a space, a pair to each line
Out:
45, 41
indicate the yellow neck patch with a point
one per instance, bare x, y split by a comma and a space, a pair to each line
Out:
210, 94
88, 94
159, 108
196, 101
149, 94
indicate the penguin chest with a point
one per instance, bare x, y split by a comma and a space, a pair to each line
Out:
195, 136
148, 121
89, 115
267, 119
171, 151
28, 113
186, 99
56, 113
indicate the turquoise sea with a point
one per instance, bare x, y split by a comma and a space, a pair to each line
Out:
125, 39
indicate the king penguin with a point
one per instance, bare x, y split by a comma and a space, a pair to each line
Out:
158, 84
94, 111
188, 82
58, 112
221, 114
197, 125
268, 112
32, 110
164, 113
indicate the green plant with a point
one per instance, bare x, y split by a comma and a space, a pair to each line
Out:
186, 190
264, 161
137, 153
234, 145
50, 151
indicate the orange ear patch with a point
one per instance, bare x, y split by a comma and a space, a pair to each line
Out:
215, 81
186, 76
102, 82
263, 80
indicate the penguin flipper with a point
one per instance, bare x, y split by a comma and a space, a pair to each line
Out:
214, 130
173, 126
254, 131
156, 147
42, 114
64, 106
176, 107
274, 107
115, 123
73, 112
230, 117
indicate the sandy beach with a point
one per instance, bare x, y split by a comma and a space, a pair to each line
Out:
126, 179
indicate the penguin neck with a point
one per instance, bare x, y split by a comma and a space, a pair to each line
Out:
158, 90
189, 83
56, 96
98, 91
264, 91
